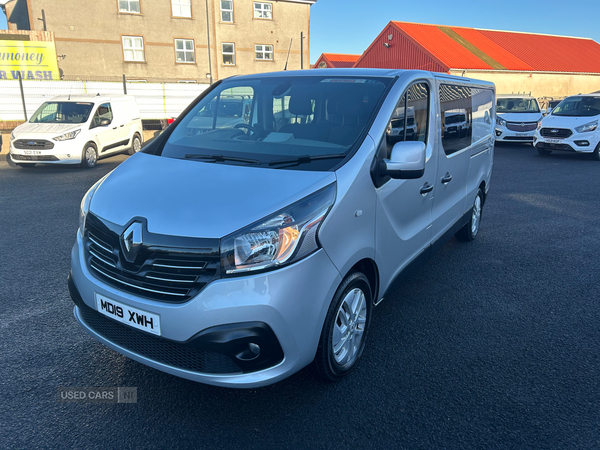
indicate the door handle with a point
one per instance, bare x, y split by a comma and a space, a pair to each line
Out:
426, 188
446, 178
122, 126
114, 128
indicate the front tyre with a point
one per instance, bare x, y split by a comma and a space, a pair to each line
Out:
469, 231
136, 144
596, 153
345, 329
89, 156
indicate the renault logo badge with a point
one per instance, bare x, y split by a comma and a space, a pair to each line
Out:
131, 241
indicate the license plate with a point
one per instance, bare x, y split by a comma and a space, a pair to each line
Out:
32, 152
134, 317
553, 141
522, 134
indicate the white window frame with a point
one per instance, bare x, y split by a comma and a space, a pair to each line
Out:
133, 48
129, 2
262, 12
262, 49
226, 10
180, 5
185, 51
223, 53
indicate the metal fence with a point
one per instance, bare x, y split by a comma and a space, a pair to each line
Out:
19, 99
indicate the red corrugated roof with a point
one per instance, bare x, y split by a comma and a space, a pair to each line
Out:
472, 48
338, 60
442, 46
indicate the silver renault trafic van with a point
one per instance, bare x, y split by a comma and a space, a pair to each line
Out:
247, 248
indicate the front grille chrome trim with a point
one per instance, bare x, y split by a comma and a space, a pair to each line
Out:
108, 263
135, 286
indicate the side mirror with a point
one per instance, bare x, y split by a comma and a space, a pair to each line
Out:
104, 122
407, 161
544, 112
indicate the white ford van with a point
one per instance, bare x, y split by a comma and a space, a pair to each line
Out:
78, 130
572, 126
247, 250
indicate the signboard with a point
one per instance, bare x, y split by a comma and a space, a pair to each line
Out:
35, 60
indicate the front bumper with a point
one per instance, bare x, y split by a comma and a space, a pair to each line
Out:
208, 337
65, 152
577, 142
503, 134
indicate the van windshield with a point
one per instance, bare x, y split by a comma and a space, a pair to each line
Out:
578, 107
304, 123
517, 105
62, 112
458, 118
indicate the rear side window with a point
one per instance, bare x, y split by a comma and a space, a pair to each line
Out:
409, 122
457, 117
483, 120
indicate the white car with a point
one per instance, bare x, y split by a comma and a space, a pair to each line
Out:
517, 117
78, 130
571, 127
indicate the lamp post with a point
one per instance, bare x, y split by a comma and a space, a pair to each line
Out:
208, 39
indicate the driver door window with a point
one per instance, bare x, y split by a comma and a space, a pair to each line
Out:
104, 111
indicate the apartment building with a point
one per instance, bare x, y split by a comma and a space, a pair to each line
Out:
147, 39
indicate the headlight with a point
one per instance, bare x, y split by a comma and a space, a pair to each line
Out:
587, 127
85, 203
539, 125
500, 121
282, 238
67, 136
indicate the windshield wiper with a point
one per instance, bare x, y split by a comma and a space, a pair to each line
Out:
306, 159
221, 158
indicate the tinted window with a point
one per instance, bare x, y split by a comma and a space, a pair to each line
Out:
104, 111
578, 106
483, 120
269, 119
457, 117
409, 121
517, 105
62, 112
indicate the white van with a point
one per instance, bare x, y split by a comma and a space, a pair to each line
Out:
78, 129
244, 253
518, 116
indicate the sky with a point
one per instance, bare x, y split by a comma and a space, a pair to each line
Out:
349, 26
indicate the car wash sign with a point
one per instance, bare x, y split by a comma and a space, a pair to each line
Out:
34, 60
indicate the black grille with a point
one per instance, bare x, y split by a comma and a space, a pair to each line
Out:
518, 138
30, 144
521, 126
551, 146
33, 157
157, 349
559, 133
167, 268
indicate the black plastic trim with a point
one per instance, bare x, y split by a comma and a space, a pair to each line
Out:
115, 145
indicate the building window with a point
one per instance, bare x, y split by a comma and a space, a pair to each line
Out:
263, 10
129, 6
226, 10
184, 51
181, 8
264, 52
133, 48
228, 50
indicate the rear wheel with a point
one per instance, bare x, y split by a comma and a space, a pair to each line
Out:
469, 231
543, 151
345, 329
136, 144
89, 156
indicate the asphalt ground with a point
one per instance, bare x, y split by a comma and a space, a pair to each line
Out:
492, 344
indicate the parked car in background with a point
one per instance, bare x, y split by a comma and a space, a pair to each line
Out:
517, 117
248, 251
551, 105
78, 130
571, 127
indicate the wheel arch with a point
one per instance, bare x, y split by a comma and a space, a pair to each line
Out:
369, 268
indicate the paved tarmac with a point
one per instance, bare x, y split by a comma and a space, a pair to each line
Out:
493, 344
